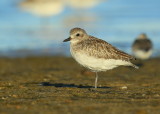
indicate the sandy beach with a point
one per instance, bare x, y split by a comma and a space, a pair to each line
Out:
59, 85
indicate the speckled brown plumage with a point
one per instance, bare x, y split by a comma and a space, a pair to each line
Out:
142, 44
100, 49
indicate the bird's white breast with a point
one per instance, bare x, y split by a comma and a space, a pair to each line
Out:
97, 64
143, 54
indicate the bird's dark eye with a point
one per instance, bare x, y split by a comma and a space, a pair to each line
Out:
78, 34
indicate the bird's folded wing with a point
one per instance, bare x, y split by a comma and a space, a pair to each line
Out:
144, 44
101, 49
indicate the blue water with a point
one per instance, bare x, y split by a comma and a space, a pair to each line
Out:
117, 21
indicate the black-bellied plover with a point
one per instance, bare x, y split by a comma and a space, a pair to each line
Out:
96, 54
142, 47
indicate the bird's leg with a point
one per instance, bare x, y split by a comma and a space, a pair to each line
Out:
96, 80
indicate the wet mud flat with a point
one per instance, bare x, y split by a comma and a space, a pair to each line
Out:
58, 85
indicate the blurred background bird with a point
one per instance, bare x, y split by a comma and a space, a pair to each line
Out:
142, 47
44, 8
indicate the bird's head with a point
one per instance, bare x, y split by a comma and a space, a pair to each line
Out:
76, 34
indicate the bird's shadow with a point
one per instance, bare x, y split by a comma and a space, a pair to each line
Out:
58, 85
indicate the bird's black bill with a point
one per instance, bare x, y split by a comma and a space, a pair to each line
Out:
66, 40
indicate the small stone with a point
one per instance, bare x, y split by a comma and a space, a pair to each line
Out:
3, 98
156, 95
124, 87
15, 96
143, 95
45, 79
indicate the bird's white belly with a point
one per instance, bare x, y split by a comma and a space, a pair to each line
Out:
142, 54
97, 64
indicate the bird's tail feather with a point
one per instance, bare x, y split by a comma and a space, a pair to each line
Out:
135, 66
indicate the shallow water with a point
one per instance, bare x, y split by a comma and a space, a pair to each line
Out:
117, 21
